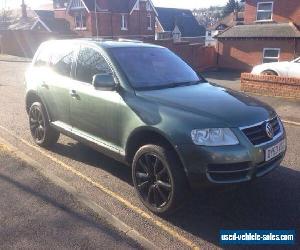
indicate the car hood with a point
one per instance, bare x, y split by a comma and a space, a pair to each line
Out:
214, 102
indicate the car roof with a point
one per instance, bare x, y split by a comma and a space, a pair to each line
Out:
105, 43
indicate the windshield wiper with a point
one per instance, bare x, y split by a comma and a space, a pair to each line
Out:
171, 85
180, 84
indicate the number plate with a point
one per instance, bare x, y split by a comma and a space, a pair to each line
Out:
276, 150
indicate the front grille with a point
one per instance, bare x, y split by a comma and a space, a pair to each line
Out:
257, 134
234, 172
228, 167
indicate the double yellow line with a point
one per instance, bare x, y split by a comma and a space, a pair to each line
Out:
114, 195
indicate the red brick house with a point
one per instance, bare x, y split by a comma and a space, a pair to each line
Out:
271, 33
108, 18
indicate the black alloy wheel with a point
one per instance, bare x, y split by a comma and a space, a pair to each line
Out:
37, 124
159, 179
153, 180
43, 134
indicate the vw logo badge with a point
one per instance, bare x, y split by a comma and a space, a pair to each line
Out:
269, 130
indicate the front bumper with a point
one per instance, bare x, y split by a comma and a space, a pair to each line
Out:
206, 166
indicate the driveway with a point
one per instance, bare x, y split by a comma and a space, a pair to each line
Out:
36, 214
288, 109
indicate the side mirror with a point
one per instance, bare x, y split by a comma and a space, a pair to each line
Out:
104, 82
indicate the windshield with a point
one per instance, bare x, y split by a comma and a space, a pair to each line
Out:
154, 68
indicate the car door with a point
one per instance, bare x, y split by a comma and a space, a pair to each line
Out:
56, 83
294, 68
38, 77
94, 113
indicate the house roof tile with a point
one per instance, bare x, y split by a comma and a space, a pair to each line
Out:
274, 30
119, 6
184, 19
228, 21
59, 25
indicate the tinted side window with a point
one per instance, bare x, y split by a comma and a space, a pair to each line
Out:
90, 63
62, 59
43, 57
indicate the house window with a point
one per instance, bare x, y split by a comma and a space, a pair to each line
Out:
60, 4
264, 11
80, 21
124, 22
271, 55
149, 22
176, 37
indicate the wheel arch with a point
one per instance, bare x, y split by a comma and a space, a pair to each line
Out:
272, 70
32, 97
149, 135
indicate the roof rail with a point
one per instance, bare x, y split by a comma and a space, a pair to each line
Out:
129, 40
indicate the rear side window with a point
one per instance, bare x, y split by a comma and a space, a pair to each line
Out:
62, 60
43, 57
89, 63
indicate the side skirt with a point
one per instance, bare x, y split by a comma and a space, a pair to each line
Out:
101, 147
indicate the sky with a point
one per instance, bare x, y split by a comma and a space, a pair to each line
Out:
186, 4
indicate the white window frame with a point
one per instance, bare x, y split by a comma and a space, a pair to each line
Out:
176, 37
148, 6
150, 21
260, 11
124, 22
275, 58
81, 27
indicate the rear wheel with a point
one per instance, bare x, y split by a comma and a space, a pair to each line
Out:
159, 179
43, 134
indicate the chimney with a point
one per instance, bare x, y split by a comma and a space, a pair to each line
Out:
24, 11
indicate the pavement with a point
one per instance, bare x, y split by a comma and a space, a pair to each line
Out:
288, 109
36, 214
10, 58
272, 202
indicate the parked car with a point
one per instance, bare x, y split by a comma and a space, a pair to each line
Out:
284, 69
144, 106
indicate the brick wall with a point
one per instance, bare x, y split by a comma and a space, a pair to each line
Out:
283, 11
109, 24
271, 85
243, 54
24, 42
199, 57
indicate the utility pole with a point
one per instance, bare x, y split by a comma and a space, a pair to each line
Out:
24, 11
96, 18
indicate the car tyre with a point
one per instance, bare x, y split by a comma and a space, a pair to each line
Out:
269, 73
159, 179
43, 134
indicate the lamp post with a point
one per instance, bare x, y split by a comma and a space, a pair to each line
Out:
96, 19
24, 11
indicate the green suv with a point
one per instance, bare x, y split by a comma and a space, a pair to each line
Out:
144, 106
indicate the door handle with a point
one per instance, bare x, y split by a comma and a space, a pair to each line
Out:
74, 94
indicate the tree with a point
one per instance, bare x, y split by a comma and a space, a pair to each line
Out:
6, 18
232, 6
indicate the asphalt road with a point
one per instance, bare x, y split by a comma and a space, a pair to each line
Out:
272, 202
36, 214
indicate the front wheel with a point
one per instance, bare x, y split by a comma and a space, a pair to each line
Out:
43, 134
159, 179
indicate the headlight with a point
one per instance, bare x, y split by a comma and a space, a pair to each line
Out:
214, 137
